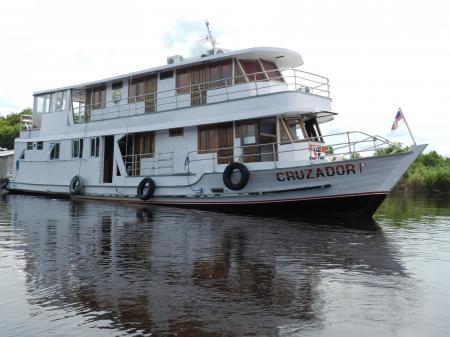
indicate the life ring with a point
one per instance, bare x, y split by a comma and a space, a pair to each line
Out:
146, 183
5, 183
243, 180
76, 185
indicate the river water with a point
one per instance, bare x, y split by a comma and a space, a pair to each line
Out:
100, 269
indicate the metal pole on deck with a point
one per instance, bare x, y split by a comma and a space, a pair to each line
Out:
406, 123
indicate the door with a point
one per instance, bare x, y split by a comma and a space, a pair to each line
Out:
108, 158
250, 141
268, 139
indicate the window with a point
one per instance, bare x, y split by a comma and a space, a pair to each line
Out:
40, 145
143, 89
272, 71
54, 151
312, 129
116, 92
98, 97
220, 74
166, 74
95, 145
117, 85
176, 132
139, 87
183, 82
60, 100
55, 101
77, 148
253, 70
136, 148
29, 145
258, 139
217, 138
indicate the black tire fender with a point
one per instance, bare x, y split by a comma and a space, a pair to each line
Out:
76, 185
245, 176
150, 184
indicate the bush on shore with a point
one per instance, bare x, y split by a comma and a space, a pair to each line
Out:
429, 174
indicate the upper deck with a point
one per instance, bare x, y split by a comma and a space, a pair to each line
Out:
193, 82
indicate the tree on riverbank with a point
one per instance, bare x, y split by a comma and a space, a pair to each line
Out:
10, 128
429, 174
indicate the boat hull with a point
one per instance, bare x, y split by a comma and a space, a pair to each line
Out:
352, 188
341, 206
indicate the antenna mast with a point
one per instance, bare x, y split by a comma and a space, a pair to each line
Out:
211, 38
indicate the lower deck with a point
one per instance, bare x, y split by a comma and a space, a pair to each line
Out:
180, 152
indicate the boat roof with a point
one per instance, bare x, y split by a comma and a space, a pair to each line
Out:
284, 58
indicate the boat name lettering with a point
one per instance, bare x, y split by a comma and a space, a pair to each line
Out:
320, 172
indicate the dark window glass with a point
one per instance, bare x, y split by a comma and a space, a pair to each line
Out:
54, 153
98, 97
272, 71
95, 141
183, 82
253, 70
117, 85
176, 132
166, 74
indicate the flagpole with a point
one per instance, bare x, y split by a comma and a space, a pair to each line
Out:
406, 123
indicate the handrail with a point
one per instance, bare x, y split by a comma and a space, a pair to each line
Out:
26, 122
284, 79
358, 144
372, 143
133, 162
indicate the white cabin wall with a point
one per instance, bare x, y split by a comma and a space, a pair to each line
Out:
166, 99
53, 123
180, 145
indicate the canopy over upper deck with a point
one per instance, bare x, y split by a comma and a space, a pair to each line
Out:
284, 58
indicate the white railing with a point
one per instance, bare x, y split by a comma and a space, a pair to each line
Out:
226, 89
348, 145
148, 163
26, 122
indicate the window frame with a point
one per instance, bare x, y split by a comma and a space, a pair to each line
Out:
55, 151
77, 150
94, 151
98, 97
176, 132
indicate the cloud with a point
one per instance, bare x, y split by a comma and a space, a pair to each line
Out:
188, 36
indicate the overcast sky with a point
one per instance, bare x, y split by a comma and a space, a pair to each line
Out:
378, 55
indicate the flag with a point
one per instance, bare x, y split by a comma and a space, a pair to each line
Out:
398, 118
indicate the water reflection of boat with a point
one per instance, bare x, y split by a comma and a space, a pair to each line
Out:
177, 272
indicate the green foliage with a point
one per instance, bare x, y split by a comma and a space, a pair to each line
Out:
429, 174
10, 128
391, 149
329, 150
355, 155
431, 159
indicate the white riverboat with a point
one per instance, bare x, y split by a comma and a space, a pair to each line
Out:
235, 131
